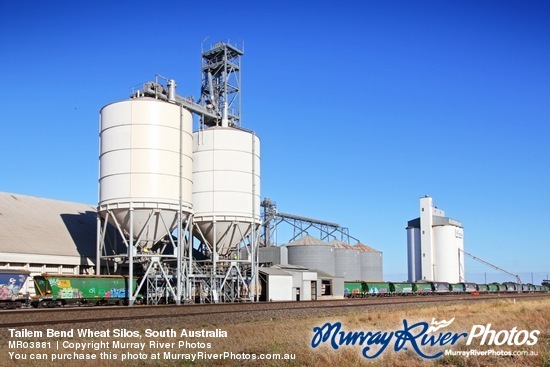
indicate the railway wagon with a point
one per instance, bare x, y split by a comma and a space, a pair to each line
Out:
508, 287
401, 289
493, 287
377, 289
423, 289
55, 290
440, 287
456, 287
483, 288
470, 287
511, 287
353, 289
11, 283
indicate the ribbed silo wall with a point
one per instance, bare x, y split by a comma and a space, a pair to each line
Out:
371, 266
347, 263
312, 257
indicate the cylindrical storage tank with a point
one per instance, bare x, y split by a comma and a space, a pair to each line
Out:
145, 166
312, 253
347, 261
448, 263
371, 266
371, 263
226, 185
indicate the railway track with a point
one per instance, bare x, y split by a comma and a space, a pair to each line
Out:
83, 316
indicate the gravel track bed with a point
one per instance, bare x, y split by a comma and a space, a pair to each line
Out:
197, 315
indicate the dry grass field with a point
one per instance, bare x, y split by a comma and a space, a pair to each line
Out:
294, 335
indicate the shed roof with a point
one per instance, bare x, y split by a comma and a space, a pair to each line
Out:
273, 271
290, 267
324, 275
39, 226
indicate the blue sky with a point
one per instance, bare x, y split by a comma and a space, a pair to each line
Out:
362, 107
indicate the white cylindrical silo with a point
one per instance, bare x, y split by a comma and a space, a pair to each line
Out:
145, 166
448, 266
226, 185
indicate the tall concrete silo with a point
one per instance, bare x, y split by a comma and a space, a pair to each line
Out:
312, 253
145, 177
434, 245
448, 243
414, 251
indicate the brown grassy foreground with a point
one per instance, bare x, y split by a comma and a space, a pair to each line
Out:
279, 334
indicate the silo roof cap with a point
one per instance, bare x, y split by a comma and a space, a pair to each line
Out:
365, 248
340, 244
308, 240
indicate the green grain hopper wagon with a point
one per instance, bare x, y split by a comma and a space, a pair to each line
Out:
53, 290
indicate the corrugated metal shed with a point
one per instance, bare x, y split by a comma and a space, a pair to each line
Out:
40, 230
